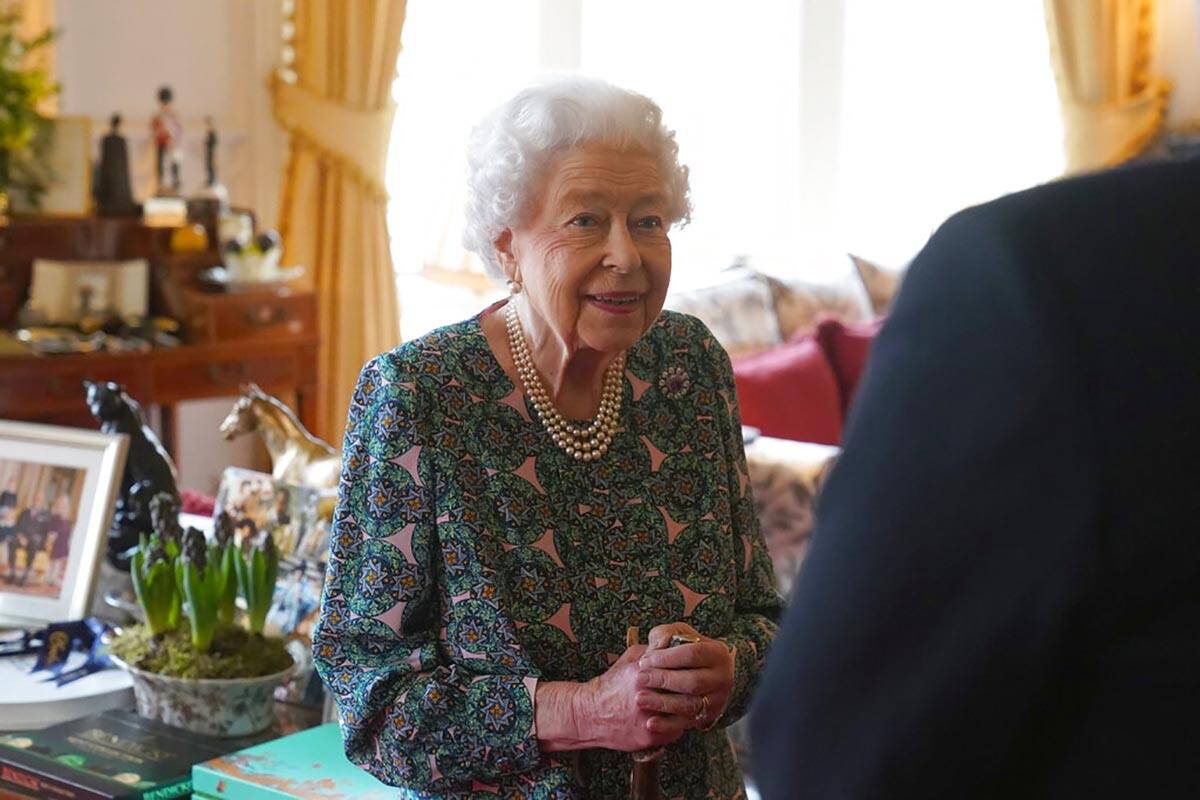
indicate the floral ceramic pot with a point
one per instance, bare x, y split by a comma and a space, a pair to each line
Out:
217, 707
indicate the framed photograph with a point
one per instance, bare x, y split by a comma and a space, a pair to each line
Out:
68, 162
66, 291
258, 504
58, 487
297, 600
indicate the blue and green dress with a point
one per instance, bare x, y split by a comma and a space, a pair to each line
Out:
470, 558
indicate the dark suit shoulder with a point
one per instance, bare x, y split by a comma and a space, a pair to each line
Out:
1093, 222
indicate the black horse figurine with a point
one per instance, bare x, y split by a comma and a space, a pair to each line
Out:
148, 468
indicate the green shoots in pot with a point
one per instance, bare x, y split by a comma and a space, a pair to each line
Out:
154, 584
223, 552
203, 587
256, 572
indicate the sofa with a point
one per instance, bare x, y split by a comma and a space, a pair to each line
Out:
799, 349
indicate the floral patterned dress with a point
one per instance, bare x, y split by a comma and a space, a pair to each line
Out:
471, 558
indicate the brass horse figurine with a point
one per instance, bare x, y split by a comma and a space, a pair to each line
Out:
296, 455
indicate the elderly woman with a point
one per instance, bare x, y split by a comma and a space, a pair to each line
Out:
522, 488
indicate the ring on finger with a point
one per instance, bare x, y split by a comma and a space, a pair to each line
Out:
684, 638
702, 714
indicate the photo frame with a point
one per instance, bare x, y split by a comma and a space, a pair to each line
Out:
257, 504
58, 487
66, 291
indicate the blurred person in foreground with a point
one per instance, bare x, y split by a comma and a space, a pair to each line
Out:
522, 487
1003, 593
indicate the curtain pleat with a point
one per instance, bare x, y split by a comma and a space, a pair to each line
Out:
1103, 52
333, 216
36, 17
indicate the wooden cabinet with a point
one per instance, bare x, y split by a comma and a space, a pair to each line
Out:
269, 314
50, 388
263, 336
30, 386
225, 372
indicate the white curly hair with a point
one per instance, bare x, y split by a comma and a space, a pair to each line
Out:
509, 147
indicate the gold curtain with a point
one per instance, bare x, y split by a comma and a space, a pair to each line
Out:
1103, 53
36, 17
335, 102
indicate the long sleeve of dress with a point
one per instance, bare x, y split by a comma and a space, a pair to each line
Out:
411, 715
758, 604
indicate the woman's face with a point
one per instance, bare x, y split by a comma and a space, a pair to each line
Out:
593, 253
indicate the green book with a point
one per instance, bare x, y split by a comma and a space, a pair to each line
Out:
115, 755
310, 764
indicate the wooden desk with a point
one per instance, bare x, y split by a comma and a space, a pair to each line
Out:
267, 336
50, 388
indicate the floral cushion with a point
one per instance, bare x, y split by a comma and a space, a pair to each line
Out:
800, 304
880, 283
739, 311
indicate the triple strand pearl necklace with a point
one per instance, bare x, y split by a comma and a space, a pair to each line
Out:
583, 444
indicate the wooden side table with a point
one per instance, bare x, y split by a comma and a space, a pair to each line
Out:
266, 336
50, 388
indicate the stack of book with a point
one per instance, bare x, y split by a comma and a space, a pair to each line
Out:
309, 764
108, 756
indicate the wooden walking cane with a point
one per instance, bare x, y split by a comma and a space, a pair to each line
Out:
644, 780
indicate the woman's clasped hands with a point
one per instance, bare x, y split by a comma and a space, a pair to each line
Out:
654, 693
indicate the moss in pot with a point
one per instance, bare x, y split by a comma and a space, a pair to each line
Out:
212, 674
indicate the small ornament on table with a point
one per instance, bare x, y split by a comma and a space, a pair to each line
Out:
213, 195
112, 189
210, 152
168, 135
256, 261
54, 645
148, 468
189, 239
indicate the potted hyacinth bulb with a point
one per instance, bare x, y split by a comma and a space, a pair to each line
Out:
196, 662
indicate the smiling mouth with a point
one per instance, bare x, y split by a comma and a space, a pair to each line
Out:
616, 298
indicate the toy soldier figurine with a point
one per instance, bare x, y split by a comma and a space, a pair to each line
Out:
213, 195
210, 153
167, 135
111, 189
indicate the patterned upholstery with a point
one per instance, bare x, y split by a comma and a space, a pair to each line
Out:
740, 311
786, 477
880, 283
799, 304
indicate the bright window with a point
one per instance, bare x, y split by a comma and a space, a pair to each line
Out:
728, 79
811, 128
946, 104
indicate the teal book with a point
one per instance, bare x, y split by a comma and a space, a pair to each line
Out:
310, 765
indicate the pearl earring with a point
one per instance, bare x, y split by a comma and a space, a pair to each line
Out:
514, 287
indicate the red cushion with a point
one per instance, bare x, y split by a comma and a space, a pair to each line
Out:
194, 502
790, 392
847, 345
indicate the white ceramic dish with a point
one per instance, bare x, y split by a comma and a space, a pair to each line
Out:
219, 276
